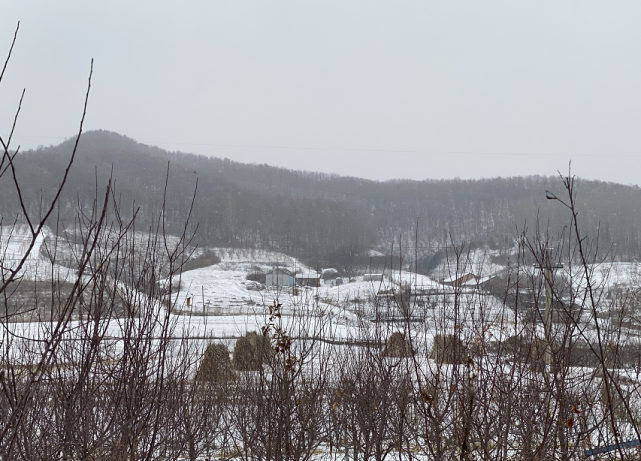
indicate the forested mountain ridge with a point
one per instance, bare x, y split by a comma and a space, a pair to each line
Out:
317, 216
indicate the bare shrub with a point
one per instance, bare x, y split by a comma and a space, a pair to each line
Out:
515, 344
621, 355
617, 403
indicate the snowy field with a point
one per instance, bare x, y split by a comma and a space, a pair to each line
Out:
221, 297
481, 262
219, 302
14, 248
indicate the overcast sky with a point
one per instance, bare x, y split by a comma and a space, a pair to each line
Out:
375, 89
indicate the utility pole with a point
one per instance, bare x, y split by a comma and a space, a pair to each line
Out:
549, 370
548, 308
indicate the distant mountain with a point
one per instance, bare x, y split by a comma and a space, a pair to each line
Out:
316, 216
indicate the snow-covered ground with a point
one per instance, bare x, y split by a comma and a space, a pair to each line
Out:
15, 246
607, 275
219, 302
479, 262
222, 289
220, 297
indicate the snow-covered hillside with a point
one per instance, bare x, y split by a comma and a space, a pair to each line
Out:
223, 289
481, 262
15, 246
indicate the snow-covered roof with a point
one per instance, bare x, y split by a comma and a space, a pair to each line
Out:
459, 277
283, 271
479, 280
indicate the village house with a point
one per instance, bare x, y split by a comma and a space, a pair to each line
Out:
460, 280
280, 278
308, 280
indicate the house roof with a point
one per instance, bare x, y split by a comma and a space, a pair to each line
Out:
480, 280
460, 276
282, 271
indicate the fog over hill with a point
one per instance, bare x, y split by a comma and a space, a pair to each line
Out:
321, 218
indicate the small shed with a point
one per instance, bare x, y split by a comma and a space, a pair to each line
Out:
460, 280
279, 278
308, 280
330, 273
372, 277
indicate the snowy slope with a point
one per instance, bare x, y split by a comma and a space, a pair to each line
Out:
218, 300
223, 288
479, 262
14, 247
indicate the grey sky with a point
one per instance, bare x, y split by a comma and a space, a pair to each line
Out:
394, 89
